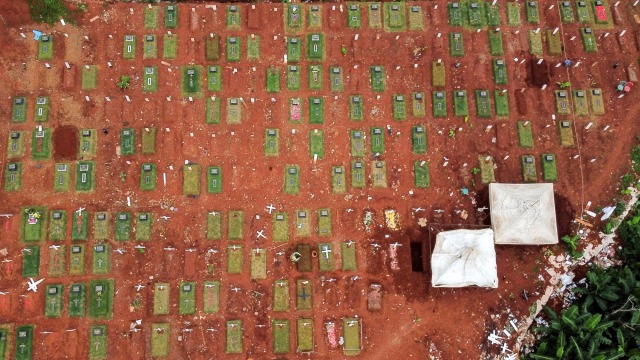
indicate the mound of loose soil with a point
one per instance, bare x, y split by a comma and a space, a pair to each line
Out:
65, 143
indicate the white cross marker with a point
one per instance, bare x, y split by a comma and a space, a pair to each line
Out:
271, 208
326, 251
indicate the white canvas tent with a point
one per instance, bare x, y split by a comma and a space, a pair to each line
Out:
464, 258
523, 214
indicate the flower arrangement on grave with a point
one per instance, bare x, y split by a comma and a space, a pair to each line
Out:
391, 218
33, 216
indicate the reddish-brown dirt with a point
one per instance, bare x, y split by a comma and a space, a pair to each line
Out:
65, 142
414, 317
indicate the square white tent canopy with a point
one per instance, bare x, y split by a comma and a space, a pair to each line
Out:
464, 258
523, 214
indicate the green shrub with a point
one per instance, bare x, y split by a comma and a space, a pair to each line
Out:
50, 11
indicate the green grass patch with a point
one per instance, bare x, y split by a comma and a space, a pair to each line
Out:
87, 143
41, 112
418, 139
554, 43
374, 13
395, 16
62, 177
316, 110
501, 102
101, 299
358, 177
532, 11
354, 17
438, 77
45, 47
273, 80
325, 256
161, 294
487, 174
549, 168
596, 101
316, 143
15, 144
456, 44
57, 225
129, 47
236, 225
31, 261
53, 305
499, 72
191, 180
513, 14
144, 226
304, 295
85, 176
294, 49
57, 261
212, 47
170, 46
187, 298
535, 42
127, 141
566, 12
493, 14
348, 250
213, 111
421, 175
315, 77
234, 259
151, 18
234, 111
338, 180
495, 43
295, 111
460, 103
476, 14
562, 102
314, 16
150, 47
584, 15
122, 229
483, 104
214, 225
253, 47
280, 227
416, 18
529, 173
439, 103
214, 179
33, 222
356, 108
234, 49
101, 260
379, 174
601, 22
356, 138
19, 110
315, 47
293, 78
150, 79
148, 176
76, 260
580, 104
98, 338
171, 16
233, 18
303, 223
80, 225
305, 334
588, 40
160, 335
294, 18
525, 134
211, 297
89, 77
191, 81
13, 177
324, 222
271, 142
292, 179
77, 300
258, 264
41, 144
24, 342
399, 105
281, 340
101, 226
281, 295
378, 79
418, 104
234, 337
454, 11
351, 328
336, 82
149, 141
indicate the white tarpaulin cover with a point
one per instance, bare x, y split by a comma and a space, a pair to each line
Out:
464, 258
523, 214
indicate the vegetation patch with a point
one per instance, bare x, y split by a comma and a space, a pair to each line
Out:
214, 179
399, 107
98, 348
258, 264
379, 174
532, 12
214, 225
588, 40
418, 139
438, 77
236, 225
324, 222
336, 82
160, 335
53, 301
460, 103
549, 168
211, 295
486, 169
57, 261
305, 334
273, 80
316, 110
41, 113
271, 142
190, 81
150, 47
439, 99
129, 47
525, 134
495, 43
151, 15
213, 111
148, 176
456, 44
356, 138
315, 77
191, 179
378, 80
76, 260
294, 49
535, 42
292, 179
354, 18
358, 177
101, 299
123, 226
483, 104
554, 43
281, 343
101, 226
580, 104
338, 180
31, 261
101, 261
15, 146
13, 177
280, 227
356, 109
80, 225
502, 103
161, 292
348, 250
234, 337
57, 225
513, 14
77, 300
253, 47
89, 77
395, 16
421, 177
529, 173
41, 144
87, 143
293, 77
187, 298
144, 225
281, 295
33, 222
170, 46
302, 225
